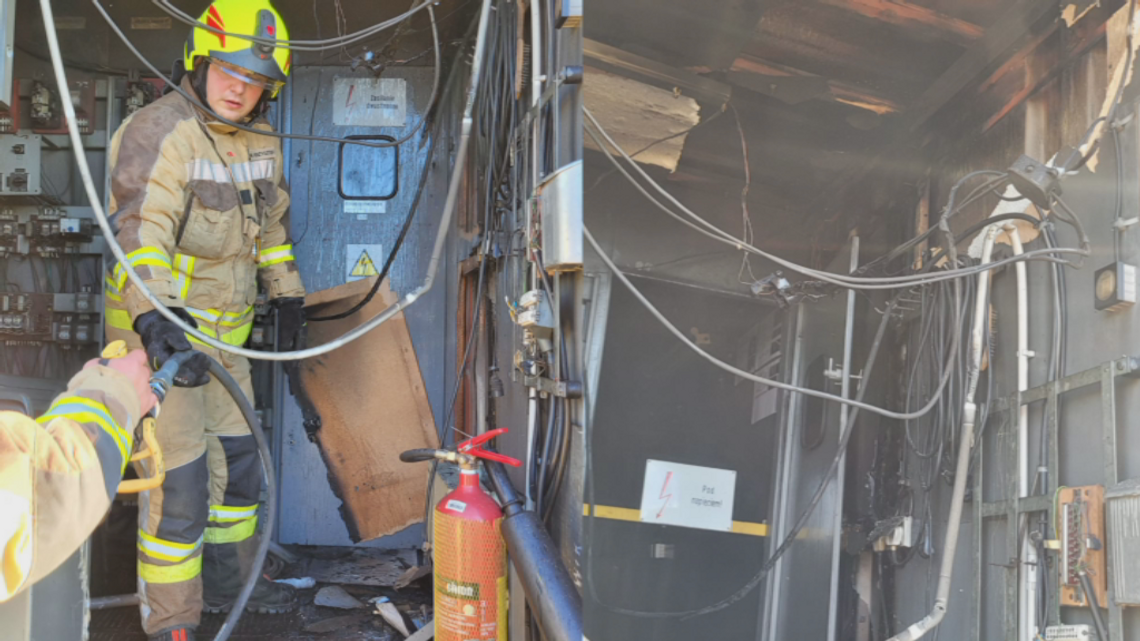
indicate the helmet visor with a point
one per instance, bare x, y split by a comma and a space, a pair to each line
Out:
246, 76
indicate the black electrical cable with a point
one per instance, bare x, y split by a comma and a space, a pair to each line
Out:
1094, 607
298, 45
424, 173
275, 134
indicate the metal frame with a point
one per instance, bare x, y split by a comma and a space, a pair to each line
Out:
1012, 509
7, 50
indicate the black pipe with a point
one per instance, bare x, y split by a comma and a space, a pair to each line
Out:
552, 596
1094, 607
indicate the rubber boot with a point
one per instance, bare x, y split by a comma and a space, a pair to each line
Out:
225, 569
174, 634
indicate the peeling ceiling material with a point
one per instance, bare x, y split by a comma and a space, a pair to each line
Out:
637, 115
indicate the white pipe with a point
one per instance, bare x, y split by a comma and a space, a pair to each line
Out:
137, 281
531, 429
1027, 574
970, 411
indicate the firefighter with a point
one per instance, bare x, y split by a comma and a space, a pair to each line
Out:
59, 474
200, 210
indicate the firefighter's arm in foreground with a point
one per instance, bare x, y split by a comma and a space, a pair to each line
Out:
58, 474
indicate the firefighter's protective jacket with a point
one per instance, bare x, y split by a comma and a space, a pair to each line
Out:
199, 210
58, 474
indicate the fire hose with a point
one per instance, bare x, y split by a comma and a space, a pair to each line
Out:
160, 383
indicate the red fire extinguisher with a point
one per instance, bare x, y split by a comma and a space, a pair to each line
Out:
470, 558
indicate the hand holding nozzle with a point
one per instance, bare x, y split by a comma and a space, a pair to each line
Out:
152, 391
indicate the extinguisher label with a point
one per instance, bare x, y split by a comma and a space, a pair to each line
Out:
458, 506
459, 589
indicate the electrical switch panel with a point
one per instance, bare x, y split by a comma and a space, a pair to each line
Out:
1080, 528
140, 93
47, 116
10, 118
28, 319
19, 165
47, 231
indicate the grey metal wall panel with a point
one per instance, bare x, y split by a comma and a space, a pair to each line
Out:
321, 233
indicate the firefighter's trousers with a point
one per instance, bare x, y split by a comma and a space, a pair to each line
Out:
209, 499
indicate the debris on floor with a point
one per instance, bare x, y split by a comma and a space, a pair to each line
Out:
334, 596
358, 577
391, 614
303, 583
364, 566
324, 626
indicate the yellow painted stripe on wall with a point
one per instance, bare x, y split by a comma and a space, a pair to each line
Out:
627, 514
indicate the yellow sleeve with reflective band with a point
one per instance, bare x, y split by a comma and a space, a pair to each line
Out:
58, 474
276, 268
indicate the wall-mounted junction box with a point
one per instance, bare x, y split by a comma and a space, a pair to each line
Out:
1114, 287
560, 202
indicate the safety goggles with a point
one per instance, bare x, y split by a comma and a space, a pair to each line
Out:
248, 77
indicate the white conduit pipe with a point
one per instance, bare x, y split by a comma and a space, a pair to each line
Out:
137, 281
1027, 574
966, 444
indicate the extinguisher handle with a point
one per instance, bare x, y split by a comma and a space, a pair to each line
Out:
478, 441
474, 447
495, 456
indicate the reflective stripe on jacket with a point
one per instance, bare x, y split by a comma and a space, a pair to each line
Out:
199, 211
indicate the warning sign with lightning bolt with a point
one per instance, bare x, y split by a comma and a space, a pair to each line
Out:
361, 261
688, 496
364, 266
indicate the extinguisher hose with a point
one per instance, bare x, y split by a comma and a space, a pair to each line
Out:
250, 415
418, 455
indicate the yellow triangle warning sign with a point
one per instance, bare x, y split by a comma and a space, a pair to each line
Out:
364, 266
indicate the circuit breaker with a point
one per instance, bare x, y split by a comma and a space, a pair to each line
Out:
49, 318
20, 165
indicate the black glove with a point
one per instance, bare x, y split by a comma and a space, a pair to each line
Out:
163, 339
291, 333
292, 336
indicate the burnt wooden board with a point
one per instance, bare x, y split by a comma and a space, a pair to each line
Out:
373, 405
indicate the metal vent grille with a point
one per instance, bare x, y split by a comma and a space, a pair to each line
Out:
1123, 506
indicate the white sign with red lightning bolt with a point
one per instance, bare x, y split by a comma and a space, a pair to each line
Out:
688, 495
